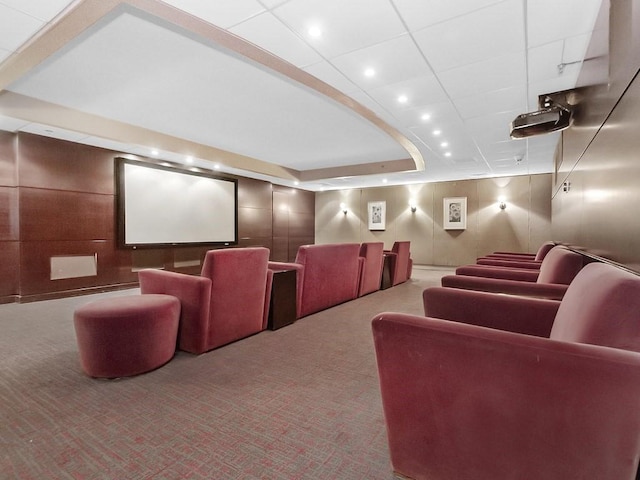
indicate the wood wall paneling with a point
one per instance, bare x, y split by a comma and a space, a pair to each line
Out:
62, 215
50, 163
9, 271
9, 219
8, 159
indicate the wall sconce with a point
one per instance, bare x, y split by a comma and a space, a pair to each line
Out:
343, 207
412, 205
502, 203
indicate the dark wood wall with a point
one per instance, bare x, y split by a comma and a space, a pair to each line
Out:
57, 198
597, 187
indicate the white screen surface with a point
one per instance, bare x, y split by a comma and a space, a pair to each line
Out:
167, 206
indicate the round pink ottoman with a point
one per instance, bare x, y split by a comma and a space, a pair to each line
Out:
124, 336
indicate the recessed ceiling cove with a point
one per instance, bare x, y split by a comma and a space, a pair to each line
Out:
136, 68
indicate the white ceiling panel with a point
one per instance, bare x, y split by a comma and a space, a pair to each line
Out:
431, 115
43, 10
10, 124
272, 35
16, 27
420, 14
487, 76
392, 61
419, 91
223, 13
345, 26
506, 99
550, 20
458, 42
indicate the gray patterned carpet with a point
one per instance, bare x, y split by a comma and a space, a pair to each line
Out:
301, 402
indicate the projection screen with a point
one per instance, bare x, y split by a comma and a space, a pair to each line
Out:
164, 206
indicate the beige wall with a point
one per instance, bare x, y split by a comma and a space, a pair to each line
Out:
522, 226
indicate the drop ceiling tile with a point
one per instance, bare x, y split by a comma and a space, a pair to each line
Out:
486, 76
223, 13
393, 60
503, 100
547, 20
271, 3
420, 14
436, 113
344, 25
270, 34
543, 61
41, 9
328, 74
575, 48
419, 91
16, 28
460, 41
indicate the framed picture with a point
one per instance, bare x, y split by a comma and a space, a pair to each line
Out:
455, 213
377, 212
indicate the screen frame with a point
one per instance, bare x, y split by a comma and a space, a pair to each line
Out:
119, 165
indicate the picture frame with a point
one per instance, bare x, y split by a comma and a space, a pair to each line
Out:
376, 214
455, 213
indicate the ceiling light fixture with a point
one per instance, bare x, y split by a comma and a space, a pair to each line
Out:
189, 159
425, 116
369, 72
384, 180
447, 154
154, 152
403, 99
314, 31
437, 132
444, 144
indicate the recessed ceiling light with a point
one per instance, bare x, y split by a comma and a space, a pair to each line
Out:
437, 132
154, 152
444, 144
216, 166
447, 154
369, 72
384, 180
189, 159
315, 31
425, 116
403, 99
296, 182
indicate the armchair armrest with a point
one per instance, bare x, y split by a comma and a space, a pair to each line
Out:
513, 287
194, 293
521, 274
466, 402
531, 316
496, 262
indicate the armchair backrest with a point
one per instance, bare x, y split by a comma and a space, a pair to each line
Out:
401, 268
601, 307
329, 277
545, 248
239, 281
560, 265
371, 276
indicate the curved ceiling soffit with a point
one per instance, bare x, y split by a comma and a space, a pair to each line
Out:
82, 14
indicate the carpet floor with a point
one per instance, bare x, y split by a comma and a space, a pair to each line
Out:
301, 402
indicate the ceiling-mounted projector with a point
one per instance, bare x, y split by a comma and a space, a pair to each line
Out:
551, 117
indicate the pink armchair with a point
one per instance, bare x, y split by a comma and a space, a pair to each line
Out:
401, 263
229, 301
326, 275
488, 397
538, 256
371, 274
560, 266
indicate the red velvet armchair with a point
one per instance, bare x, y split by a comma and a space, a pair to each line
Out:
401, 263
371, 273
326, 275
227, 302
559, 266
538, 256
515, 388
